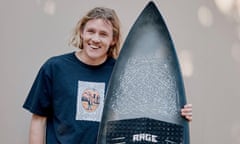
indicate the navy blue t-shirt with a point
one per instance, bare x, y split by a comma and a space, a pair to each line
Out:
71, 95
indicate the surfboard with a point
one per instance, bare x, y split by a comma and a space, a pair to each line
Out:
146, 90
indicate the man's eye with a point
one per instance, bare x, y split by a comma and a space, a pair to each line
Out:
90, 31
104, 34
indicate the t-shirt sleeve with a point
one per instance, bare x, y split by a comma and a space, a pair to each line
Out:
39, 100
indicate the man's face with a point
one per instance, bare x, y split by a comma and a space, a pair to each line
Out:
97, 37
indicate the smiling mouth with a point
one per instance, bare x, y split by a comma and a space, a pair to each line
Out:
94, 47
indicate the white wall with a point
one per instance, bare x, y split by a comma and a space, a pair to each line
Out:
29, 34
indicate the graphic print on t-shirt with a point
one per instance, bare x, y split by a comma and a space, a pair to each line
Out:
90, 98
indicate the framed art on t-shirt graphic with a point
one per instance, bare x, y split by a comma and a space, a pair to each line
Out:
90, 98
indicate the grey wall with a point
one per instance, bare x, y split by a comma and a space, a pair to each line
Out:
206, 40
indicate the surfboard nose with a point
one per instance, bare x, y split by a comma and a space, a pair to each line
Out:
148, 35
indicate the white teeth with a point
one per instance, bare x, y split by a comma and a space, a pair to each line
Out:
94, 47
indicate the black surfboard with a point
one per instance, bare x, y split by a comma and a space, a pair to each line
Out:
146, 91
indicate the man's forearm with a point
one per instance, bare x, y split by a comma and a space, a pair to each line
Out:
37, 130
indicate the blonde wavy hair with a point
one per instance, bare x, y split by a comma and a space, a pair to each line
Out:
99, 13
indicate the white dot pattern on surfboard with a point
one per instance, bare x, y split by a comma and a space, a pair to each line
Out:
158, 97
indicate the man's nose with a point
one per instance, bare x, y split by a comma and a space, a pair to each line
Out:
96, 38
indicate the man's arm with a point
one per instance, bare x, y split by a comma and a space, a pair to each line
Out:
37, 129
